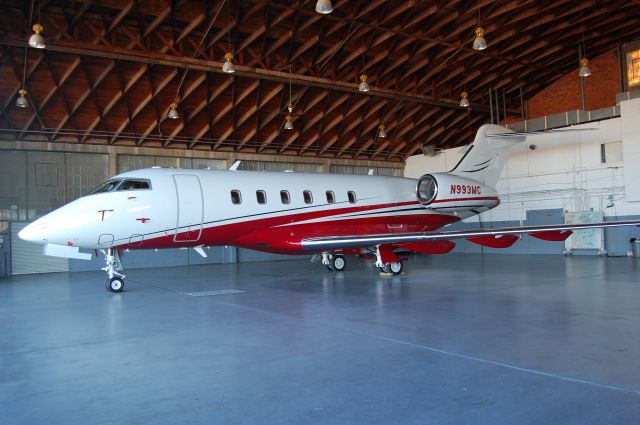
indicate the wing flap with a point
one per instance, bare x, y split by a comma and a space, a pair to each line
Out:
548, 231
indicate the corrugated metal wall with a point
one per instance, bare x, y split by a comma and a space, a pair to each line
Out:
27, 257
280, 166
378, 171
135, 162
34, 183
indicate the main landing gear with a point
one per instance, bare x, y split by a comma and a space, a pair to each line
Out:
115, 280
334, 262
385, 260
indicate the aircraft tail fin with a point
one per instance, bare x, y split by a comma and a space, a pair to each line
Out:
486, 156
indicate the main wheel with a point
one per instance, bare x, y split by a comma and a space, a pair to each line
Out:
115, 284
339, 263
395, 268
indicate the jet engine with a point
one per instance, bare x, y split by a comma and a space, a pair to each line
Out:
449, 193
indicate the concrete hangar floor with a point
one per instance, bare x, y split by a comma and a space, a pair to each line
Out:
457, 339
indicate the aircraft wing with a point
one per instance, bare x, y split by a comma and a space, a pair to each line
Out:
555, 232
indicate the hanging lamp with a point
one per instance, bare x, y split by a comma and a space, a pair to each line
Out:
464, 99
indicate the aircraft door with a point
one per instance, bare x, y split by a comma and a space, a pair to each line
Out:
190, 208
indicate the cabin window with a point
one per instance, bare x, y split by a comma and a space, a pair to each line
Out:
261, 196
107, 186
236, 197
284, 197
308, 197
352, 197
134, 184
331, 197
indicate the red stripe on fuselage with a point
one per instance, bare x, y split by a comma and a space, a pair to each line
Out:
282, 234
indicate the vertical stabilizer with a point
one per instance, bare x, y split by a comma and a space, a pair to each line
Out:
486, 157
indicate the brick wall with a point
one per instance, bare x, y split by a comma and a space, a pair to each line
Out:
564, 95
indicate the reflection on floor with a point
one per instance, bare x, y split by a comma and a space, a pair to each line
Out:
457, 339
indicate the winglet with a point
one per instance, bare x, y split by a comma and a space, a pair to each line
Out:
235, 165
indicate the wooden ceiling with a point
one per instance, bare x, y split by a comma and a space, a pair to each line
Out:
112, 68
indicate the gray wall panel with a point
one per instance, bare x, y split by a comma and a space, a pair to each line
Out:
84, 172
45, 182
616, 239
13, 188
27, 257
249, 256
527, 245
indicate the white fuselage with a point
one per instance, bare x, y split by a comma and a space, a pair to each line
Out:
266, 211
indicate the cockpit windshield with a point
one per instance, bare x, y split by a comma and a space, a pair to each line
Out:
107, 186
121, 185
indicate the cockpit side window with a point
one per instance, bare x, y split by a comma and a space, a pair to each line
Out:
107, 186
134, 184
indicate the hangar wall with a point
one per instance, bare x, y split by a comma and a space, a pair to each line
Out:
554, 173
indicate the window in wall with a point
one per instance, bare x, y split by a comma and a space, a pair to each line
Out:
308, 197
352, 197
331, 198
633, 69
236, 197
611, 152
284, 197
261, 196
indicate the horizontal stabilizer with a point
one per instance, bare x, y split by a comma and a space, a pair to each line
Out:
513, 135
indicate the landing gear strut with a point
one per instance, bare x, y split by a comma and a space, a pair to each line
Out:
334, 262
394, 267
115, 280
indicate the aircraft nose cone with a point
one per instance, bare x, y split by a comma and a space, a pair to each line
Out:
34, 232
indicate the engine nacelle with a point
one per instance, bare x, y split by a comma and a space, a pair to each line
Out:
449, 193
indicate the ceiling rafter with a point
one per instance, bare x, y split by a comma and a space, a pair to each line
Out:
417, 54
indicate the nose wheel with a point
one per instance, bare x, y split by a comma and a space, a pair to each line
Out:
115, 284
115, 279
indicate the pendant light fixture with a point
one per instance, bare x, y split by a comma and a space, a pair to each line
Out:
584, 71
228, 65
382, 133
37, 40
22, 101
288, 122
324, 7
479, 43
464, 100
173, 111
364, 86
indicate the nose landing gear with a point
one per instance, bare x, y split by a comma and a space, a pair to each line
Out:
115, 280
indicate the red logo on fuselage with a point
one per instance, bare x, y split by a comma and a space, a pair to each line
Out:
465, 189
